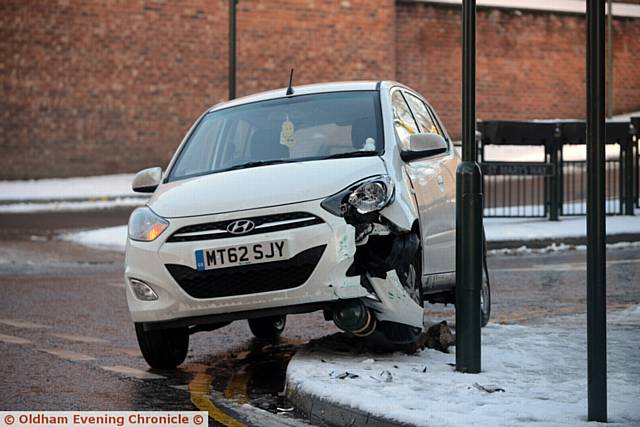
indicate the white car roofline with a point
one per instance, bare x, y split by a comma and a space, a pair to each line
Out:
309, 89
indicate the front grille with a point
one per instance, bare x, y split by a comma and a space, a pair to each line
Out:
263, 224
247, 279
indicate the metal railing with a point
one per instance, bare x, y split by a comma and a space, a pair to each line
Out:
556, 185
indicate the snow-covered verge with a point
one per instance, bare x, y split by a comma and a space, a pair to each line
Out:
67, 188
509, 229
65, 194
67, 206
111, 238
530, 375
525, 250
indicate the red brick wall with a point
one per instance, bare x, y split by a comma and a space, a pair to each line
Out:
529, 64
323, 41
96, 87
93, 87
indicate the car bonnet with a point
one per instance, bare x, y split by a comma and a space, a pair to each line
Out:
261, 187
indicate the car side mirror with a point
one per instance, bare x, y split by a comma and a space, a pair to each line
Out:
423, 145
147, 180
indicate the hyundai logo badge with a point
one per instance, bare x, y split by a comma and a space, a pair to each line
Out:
241, 226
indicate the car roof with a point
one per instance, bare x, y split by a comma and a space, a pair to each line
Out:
304, 90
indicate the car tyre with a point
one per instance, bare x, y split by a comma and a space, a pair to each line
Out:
485, 301
163, 348
268, 328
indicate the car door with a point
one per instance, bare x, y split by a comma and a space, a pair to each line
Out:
429, 187
449, 166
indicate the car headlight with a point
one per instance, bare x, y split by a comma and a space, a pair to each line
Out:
367, 196
145, 225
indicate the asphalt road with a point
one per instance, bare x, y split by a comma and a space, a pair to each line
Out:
67, 342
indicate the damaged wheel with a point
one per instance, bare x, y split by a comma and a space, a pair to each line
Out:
398, 334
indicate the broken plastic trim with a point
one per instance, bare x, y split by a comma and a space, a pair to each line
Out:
384, 253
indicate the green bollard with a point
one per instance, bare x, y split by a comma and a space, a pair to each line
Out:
469, 253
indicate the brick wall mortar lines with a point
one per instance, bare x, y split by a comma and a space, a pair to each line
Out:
93, 87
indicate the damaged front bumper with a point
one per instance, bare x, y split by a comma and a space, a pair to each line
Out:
334, 278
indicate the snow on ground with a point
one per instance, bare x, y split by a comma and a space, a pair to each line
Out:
542, 370
505, 229
67, 188
84, 205
528, 153
525, 250
67, 194
112, 238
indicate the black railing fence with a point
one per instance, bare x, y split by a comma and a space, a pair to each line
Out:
555, 184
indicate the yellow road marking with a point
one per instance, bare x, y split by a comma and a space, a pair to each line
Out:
199, 391
238, 386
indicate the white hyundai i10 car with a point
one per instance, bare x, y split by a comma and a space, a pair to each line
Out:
337, 197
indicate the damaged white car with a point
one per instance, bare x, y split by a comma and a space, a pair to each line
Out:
337, 197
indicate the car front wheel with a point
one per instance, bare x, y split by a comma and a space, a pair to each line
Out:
405, 337
163, 348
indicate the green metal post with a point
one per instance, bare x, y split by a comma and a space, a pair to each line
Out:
629, 175
554, 190
469, 243
596, 232
232, 48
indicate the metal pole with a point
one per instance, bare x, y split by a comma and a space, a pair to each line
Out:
629, 174
596, 250
556, 180
469, 233
609, 59
232, 48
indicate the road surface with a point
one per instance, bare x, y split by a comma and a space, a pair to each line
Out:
67, 342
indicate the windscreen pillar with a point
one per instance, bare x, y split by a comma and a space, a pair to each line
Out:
469, 229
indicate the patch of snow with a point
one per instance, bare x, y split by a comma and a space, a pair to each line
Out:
554, 6
542, 370
110, 238
624, 117
95, 187
85, 205
509, 229
525, 250
532, 153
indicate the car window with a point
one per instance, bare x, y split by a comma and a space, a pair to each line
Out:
199, 155
305, 127
438, 123
420, 112
403, 120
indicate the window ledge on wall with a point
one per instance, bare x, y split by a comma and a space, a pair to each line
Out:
623, 10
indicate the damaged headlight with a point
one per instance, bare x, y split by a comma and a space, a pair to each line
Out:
367, 196
145, 225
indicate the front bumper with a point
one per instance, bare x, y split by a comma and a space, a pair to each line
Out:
147, 261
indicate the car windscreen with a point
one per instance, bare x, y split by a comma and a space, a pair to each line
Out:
292, 129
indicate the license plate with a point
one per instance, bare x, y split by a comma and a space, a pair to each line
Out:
229, 256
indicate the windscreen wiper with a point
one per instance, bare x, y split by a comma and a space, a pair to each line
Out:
352, 154
257, 163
